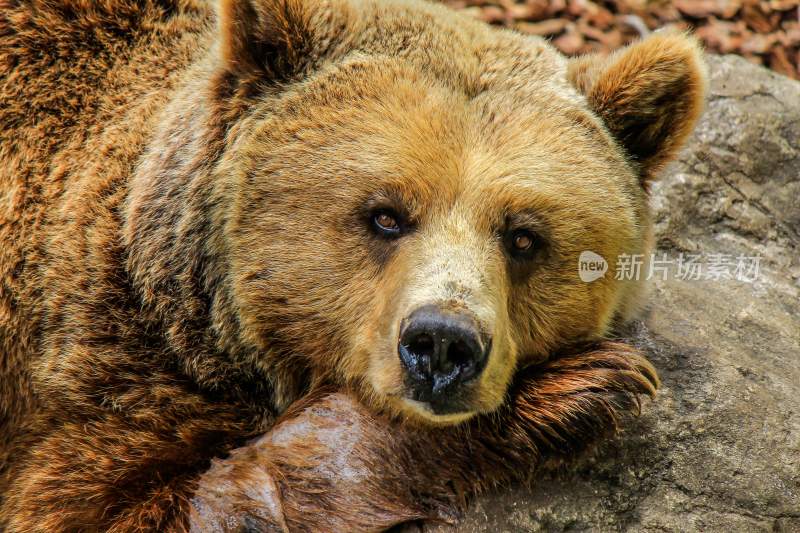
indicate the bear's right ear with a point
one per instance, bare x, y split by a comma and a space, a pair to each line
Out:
272, 38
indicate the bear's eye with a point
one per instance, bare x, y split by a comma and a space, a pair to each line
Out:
522, 243
386, 223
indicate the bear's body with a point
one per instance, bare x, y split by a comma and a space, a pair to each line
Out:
81, 87
183, 254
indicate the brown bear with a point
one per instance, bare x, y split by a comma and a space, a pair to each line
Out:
349, 227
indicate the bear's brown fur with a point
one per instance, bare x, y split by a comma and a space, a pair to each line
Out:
184, 216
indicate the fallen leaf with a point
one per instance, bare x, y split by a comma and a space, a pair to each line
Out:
544, 28
704, 8
570, 43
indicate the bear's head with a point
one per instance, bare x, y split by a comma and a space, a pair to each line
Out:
408, 192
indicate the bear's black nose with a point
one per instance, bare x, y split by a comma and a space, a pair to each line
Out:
440, 351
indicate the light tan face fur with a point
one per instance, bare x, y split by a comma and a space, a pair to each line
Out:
467, 133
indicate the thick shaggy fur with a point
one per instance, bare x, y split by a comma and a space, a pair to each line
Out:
185, 255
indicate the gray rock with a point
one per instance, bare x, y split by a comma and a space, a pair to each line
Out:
719, 448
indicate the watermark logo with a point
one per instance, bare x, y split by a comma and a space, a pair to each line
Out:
591, 266
685, 267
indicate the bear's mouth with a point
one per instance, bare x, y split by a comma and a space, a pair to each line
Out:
439, 415
446, 403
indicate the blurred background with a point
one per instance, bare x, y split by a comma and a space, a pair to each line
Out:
765, 32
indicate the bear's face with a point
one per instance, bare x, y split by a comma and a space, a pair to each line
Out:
408, 212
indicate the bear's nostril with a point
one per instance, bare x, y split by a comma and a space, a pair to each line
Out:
422, 345
459, 354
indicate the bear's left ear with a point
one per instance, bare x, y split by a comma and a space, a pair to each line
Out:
649, 94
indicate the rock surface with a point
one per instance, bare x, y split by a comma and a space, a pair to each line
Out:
719, 448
